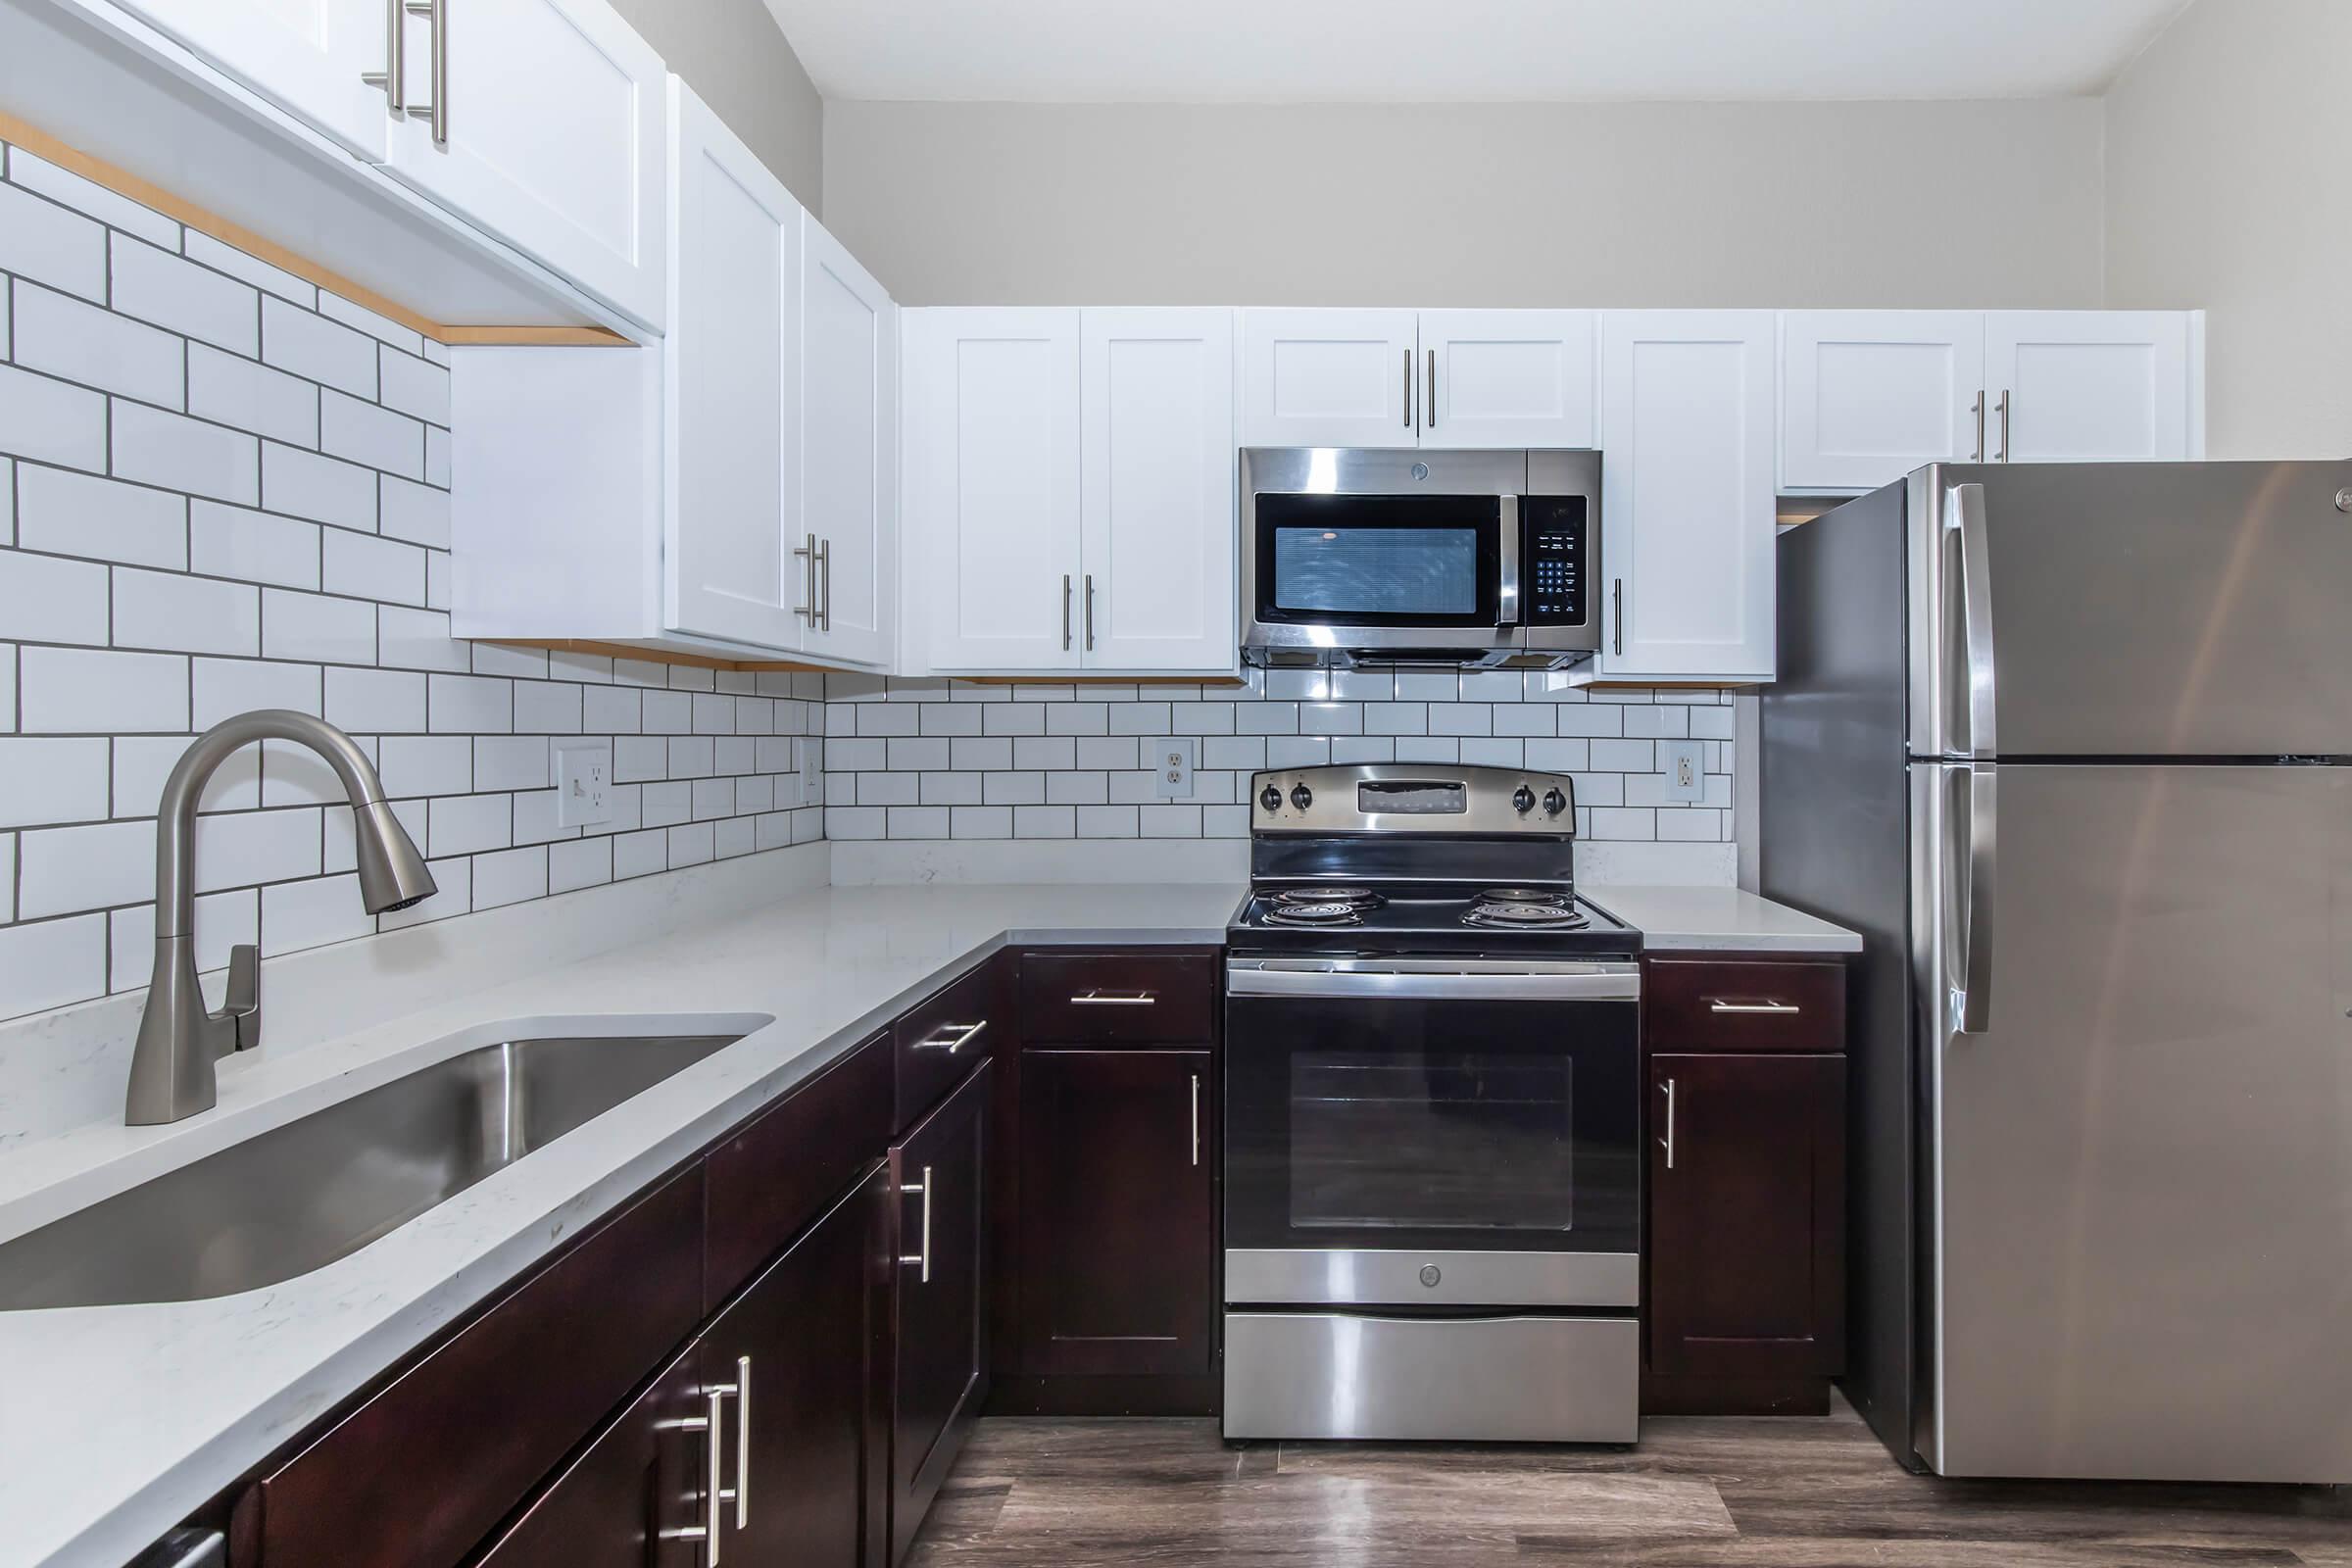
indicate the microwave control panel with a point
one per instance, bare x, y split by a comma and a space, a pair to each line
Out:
1556, 545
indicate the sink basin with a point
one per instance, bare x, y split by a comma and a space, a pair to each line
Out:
299, 1196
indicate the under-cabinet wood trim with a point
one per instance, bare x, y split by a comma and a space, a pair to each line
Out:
653, 655
122, 182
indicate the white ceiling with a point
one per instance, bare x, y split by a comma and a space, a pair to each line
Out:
1375, 51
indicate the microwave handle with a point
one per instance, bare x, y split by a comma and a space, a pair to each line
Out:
1507, 593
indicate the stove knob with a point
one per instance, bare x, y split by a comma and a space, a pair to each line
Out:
1271, 800
1555, 802
1301, 796
1523, 800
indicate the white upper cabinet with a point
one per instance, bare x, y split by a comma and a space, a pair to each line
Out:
1867, 396
1507, 379
849, 359
731, 394
1156, 411
1687, 494
992, 488
1329, 378
549, 133
309, 57
2090, 386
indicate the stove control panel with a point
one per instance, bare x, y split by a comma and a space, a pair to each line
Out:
1427, 800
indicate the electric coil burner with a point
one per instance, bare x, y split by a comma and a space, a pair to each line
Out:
1433, 1116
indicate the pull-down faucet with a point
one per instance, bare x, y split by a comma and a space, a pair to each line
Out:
171, 1068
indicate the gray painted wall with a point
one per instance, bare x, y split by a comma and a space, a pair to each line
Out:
732, 54
2226, 148
1856, 204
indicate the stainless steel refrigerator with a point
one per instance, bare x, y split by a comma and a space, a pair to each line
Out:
2072, 747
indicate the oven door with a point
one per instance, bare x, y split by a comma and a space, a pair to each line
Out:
1350, 549
1440, 1133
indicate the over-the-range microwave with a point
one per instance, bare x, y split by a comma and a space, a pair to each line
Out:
1362, 556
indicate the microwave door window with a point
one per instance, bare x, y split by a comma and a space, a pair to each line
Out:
1351, 574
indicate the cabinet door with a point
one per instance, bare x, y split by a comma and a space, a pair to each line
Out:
1867, 396
2088, 386
1117, 1214
801, 1434
1748, 1215
632, 1497
991, 515
1687, 494
306, 56
549, 136
1507, 379
1328, 379
730, 418
849, 360
1157, 490
942, 1339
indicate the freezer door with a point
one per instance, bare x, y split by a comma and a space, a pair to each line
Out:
2131, 610
2140, 1152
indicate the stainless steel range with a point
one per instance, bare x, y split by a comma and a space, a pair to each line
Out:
1432, 1168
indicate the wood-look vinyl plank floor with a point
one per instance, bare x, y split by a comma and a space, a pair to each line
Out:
1697, 1493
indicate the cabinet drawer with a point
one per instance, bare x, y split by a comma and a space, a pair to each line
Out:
937, 1043
1087, 997
417, 1475
1701, 1004
774, 1177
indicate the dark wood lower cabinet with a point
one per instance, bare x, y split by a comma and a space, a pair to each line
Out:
1746, 1216
940, 1169
800, 1446
1118, 1212
632, 1499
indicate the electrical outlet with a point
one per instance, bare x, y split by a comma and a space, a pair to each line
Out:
1172, 767
583, 785
812, 754
1685, 769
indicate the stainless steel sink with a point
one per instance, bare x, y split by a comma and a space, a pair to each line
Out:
299, 1196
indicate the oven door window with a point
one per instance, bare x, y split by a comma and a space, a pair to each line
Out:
1379, 561
1449, 1124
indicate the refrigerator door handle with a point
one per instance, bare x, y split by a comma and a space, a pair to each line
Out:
1966, 510
1975, 806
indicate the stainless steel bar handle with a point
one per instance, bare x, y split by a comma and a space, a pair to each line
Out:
743, 1443
806, 555
1978, 408
824, 571
1597, 983
393, 78
1617, 612
2002, 455
963, 1034
1065, 611
715, 1495
1976, 807
1428, 410
921, 1260
1408, 389
1100, 998
436, 112
1668, 1140
1978, 665
1195, 1119
1718, 1004
1090, 612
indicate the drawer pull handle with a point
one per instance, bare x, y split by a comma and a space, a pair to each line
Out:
922, 1259
1100, 998
1774, 1008
1195, 1119
953, 1036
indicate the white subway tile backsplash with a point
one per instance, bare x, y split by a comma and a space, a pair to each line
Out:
65, 870
75, 691
50, 598
370, 435
413, 512
50, 421
323, 629
252, 397
317, 349
417, 639
90, 345
369, 322
51, 244
375, 702
510, 876
203, 248
177, 453
49, 963
470, 704
37, 173
578, 863
510, 761
193, 301
414, 385
98, 519
44, 780
325, 489
425, 764
225, 687
224, 920
462, 824
365, 566
189, 614
310, 914
143, 761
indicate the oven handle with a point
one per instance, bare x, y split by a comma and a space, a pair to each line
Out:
1596, 982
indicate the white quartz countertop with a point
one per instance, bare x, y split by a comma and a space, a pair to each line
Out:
116, 1422
1674, 920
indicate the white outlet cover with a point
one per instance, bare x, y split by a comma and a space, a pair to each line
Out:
1684, 765
1173, 760
583, 785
